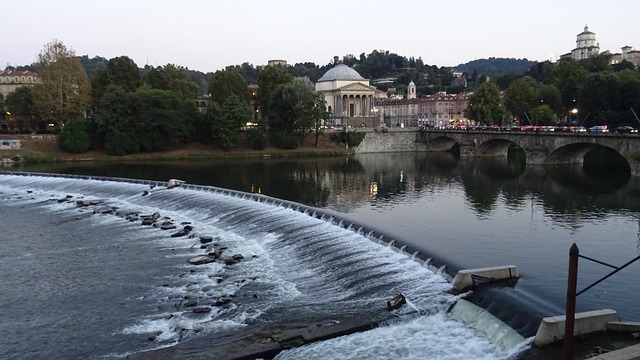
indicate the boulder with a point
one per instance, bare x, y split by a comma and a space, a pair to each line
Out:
85, 203
174, 183
201, 309
202, 259
206, 239
396, 302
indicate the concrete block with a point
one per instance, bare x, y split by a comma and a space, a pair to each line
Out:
551, 328
465, 278
624, 326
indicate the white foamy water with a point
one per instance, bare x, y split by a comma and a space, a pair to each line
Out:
295, 267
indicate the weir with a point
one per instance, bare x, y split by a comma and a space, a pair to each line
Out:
300, 264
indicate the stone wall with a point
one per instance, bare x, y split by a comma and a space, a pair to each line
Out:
395, 141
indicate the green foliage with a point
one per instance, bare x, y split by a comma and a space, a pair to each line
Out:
20, 103
121, 142
256, 137
74, 137
172, 78
226, 83
227, 121
497, 66
486, 105
64, 92
285, 140
92, 65
543, 115
295, 107
349, 138
120, 71
520, 97
269, 79
145, 120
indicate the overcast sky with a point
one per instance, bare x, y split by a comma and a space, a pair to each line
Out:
208, 35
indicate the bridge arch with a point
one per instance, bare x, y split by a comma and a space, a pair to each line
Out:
495, 147
442, 143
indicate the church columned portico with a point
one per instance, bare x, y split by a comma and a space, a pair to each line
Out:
348, 95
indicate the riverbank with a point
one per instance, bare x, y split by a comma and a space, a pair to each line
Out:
43, 149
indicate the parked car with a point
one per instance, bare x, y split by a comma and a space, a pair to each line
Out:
578, 129
626, 129
598, 129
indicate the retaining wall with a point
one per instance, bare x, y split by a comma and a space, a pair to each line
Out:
396, 141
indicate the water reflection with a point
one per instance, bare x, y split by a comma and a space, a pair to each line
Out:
382, 179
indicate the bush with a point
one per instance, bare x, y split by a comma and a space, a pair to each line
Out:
350, 138
286, 141
74, 137
256, 139
121, 143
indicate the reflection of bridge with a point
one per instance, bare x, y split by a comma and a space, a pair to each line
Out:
540, 148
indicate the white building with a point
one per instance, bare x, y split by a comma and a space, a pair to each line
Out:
349, 97
586, 45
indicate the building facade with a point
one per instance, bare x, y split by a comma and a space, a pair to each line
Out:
433, 110
586, 45
349, 97
10, 80
627, 54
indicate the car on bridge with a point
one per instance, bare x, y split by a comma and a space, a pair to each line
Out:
599, 129
626, 129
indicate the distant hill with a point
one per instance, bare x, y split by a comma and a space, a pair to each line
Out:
496, 66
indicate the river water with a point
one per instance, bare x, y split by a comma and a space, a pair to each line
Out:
86, 283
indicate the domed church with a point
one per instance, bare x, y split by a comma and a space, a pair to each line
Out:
349, 97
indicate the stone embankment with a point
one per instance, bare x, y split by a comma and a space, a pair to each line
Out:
397, 140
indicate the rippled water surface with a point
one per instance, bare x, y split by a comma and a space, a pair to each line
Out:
62, 260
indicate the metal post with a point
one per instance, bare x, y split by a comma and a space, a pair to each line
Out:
574, 253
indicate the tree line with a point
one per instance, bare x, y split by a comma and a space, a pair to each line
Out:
587, 92
123, 109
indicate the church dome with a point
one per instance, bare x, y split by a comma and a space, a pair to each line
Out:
341, 72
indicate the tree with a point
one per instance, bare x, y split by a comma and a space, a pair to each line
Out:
295, 108
519, 97
144, 120
74, 136
550, 95
269, 79
120, 71
543, 115
20, 103
486, 105
598, 96
64, 92
227, 121
228, 82
172, 78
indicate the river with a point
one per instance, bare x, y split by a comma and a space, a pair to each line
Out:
455, 214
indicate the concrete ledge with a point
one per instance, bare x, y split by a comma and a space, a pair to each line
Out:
551, 329
624, 326
628, 353
465, 279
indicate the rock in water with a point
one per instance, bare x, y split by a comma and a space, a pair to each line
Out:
396, 302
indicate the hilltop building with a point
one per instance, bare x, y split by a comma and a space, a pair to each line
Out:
586, 45
627, 54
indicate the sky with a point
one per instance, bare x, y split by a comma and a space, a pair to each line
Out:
208, 35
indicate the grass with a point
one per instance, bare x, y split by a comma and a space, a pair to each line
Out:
44, 150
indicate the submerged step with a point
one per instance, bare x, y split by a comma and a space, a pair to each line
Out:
466, 279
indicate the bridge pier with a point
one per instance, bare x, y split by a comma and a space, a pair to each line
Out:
468, 149
537, 155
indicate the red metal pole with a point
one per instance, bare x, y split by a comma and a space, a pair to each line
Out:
574, 252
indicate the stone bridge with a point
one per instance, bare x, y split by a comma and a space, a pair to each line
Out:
540, 147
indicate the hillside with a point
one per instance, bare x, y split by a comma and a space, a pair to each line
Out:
496, 66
